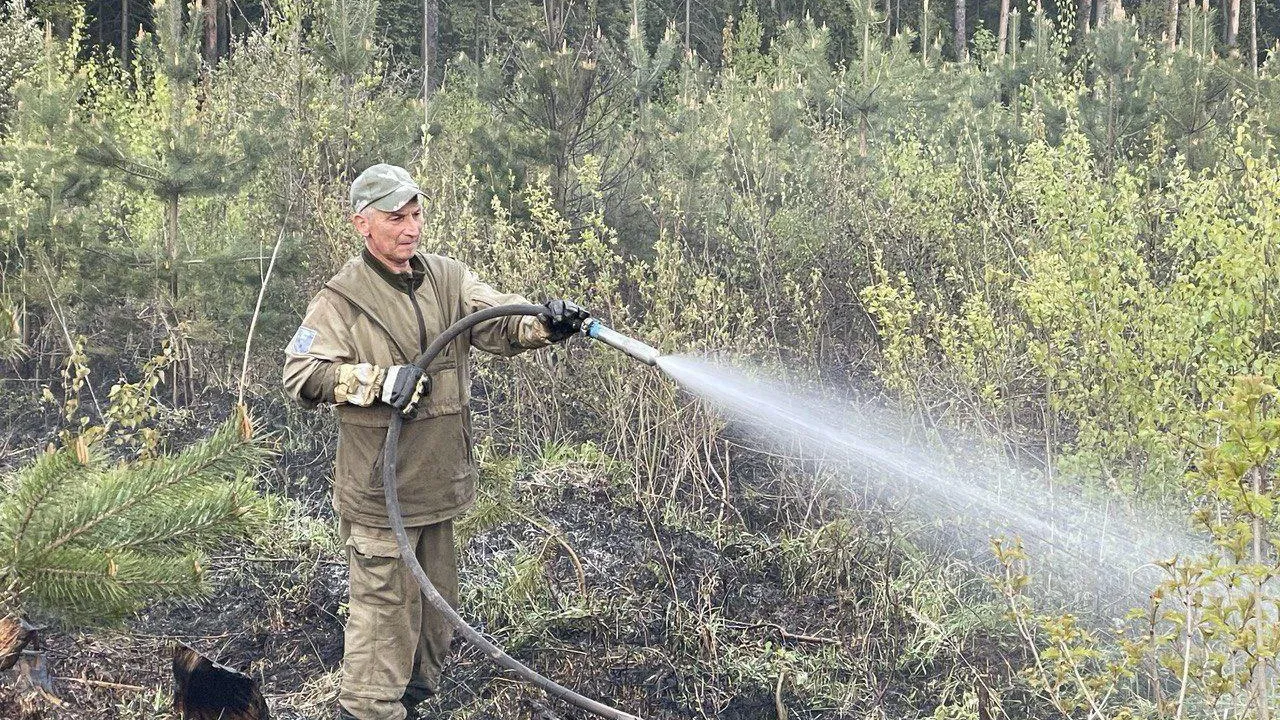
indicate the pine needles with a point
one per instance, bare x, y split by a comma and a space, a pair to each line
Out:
90, 541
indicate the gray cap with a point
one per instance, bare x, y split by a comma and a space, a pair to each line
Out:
386, 187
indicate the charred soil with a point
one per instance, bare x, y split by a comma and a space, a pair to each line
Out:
659, 608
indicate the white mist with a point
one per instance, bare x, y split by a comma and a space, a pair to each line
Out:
963, 486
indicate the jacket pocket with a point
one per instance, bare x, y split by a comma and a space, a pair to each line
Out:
357, 487
445, 397
377, 574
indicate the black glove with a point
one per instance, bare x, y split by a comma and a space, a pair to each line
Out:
403, 387
563, 318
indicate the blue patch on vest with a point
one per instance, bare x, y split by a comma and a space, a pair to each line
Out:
302, 340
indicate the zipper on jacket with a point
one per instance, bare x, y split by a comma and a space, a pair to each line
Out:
422, 322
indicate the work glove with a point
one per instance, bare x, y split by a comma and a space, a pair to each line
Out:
563, 318
403, 387
358, 383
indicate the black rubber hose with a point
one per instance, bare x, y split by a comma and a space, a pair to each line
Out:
429, 591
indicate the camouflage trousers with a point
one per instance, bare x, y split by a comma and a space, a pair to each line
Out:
395, 643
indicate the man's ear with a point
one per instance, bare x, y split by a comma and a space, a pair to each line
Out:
361, 224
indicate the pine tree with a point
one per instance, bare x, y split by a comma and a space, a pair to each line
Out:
20, 48
566, 102
46, 213
1116, 114
188, 154
89, 540
344, 38
344, 44
167, 145
648, 68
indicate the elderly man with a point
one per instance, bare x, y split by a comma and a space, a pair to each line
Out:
355, 349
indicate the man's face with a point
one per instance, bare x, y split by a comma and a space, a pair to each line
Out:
392, 237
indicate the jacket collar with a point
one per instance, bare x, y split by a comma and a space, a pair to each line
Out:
380, 298
404, 282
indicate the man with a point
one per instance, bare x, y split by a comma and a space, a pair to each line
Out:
355, 349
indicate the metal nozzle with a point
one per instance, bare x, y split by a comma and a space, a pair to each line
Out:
630, 346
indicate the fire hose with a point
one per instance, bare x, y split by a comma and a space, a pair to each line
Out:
592, 328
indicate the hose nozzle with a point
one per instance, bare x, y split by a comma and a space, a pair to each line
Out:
616, 340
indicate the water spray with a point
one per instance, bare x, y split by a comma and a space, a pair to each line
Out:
592, 328
963, 485
830, 431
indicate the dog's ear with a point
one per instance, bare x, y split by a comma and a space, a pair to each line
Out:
205, 690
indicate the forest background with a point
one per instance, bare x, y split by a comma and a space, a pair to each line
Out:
1054, 226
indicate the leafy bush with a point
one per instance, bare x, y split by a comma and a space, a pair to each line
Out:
1207, 645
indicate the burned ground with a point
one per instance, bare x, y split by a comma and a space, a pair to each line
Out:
685, 613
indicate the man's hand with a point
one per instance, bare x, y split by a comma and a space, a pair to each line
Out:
358, 384
563, 318
404, 387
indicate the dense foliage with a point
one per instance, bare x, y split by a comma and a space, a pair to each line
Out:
1065, 239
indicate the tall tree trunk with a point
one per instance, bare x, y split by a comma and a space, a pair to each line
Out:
924, 34
171, 242
1084, 17
1171, 24
1204, 28
210, 18
1015, 36
1261, 556
866, 42
1004, 27
1233, 23
1253, 35
224, 29
124, 35
962, 35
430, 42
687, 54
1015, 45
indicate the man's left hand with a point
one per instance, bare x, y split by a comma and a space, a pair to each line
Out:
563, 318
404, 387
